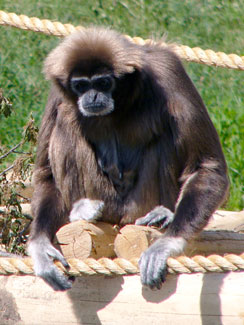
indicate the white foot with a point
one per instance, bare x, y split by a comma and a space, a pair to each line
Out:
86, 209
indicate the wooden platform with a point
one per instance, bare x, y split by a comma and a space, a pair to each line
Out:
187, 299
208, 299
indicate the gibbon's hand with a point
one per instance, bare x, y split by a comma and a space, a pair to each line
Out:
43, 254
153, 262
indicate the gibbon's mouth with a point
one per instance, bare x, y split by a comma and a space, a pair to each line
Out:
95, 110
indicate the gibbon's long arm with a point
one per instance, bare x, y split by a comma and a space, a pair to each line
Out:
48, 209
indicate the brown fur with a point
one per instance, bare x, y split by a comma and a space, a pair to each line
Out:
84, 47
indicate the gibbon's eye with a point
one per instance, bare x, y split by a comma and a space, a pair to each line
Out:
103, 83
80, 86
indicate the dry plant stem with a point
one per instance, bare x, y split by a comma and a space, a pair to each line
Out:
6, 170
11, 150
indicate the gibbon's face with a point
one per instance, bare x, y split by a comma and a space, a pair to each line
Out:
94, 93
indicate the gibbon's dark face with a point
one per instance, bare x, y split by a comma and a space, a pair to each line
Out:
94, 93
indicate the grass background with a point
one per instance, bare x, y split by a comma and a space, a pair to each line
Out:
214, 24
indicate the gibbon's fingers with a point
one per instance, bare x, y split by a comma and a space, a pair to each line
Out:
43, 253
159, 217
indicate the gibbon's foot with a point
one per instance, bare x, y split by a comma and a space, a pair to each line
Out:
86, 209
159, 217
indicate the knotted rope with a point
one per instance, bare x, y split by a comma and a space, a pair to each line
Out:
196, 54
120, 266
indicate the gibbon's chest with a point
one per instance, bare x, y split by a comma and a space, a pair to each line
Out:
119, 162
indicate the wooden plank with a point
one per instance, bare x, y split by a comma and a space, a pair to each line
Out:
227, 220
209, 299
133, 240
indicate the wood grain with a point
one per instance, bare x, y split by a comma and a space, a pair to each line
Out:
185, 299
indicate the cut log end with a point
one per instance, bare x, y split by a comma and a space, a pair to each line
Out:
82, 239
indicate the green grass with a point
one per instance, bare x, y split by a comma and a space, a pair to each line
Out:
214, 24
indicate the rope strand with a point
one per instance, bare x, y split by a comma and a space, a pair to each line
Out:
120, 266
196, 54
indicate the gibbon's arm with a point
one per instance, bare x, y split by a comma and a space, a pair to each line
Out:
204, 187
48, 208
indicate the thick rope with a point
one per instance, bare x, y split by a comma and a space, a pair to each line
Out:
196, 54
120, 266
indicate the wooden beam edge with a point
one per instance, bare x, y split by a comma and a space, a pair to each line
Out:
216, 298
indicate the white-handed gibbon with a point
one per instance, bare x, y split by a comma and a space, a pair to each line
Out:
125, 138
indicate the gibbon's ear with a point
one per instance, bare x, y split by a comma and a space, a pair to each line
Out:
102, 46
